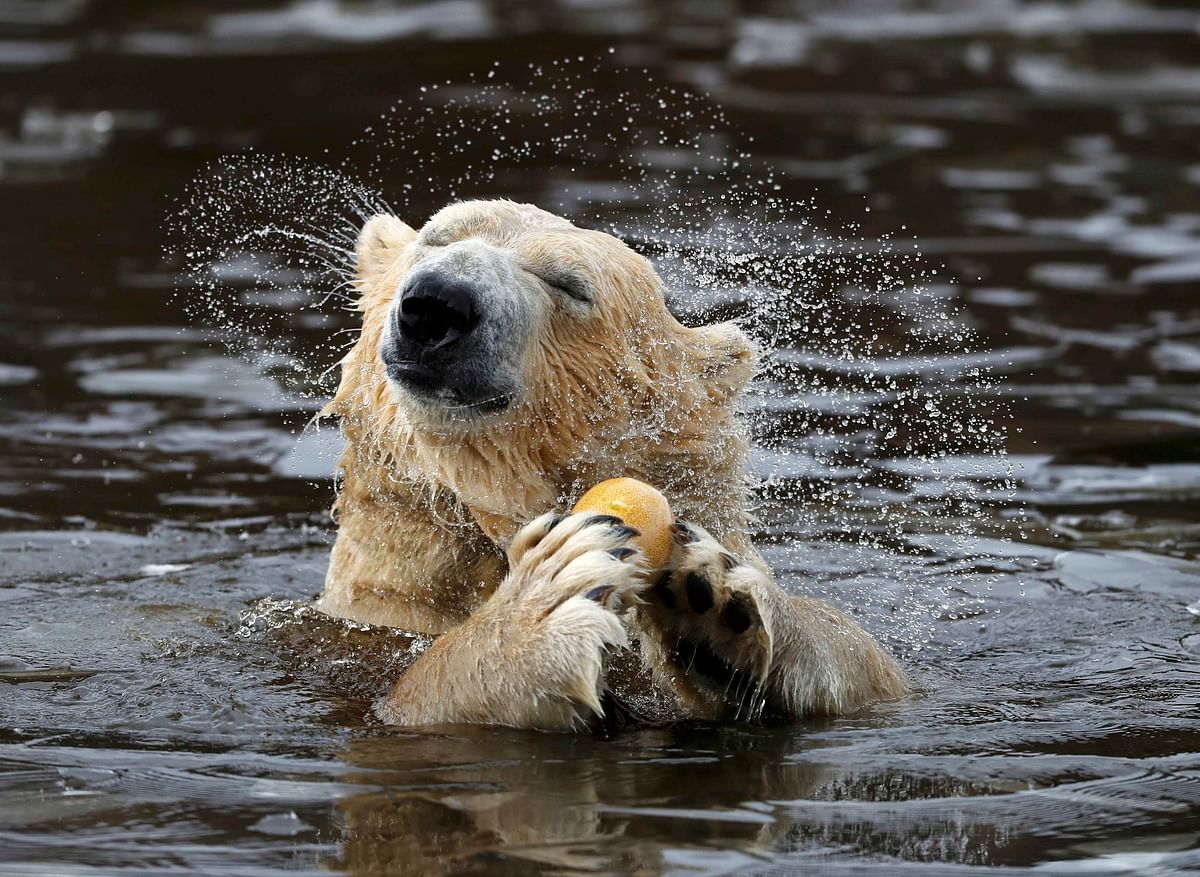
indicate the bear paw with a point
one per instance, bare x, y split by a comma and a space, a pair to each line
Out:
533, 655
556, 557
707, 626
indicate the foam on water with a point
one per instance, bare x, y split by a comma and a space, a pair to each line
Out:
876, 421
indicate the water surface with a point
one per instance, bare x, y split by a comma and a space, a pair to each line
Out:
157, 715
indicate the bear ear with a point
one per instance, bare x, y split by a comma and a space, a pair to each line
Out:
379, 243
728, 357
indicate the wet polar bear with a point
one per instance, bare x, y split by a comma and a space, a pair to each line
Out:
509, 360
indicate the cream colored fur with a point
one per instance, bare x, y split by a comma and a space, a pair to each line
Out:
430, 496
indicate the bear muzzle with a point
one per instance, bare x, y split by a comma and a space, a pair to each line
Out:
432, 348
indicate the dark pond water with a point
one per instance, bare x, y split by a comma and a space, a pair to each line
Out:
157, 715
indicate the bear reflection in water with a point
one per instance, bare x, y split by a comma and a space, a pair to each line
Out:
556, 810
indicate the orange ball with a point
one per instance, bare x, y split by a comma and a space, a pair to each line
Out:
638, 505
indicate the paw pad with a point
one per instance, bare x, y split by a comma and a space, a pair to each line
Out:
662, 590
736, 614
699, 593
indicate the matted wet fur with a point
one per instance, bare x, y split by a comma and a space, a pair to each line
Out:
508, 360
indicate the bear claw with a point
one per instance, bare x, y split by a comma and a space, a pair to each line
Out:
604, 519
683, 534
600, 594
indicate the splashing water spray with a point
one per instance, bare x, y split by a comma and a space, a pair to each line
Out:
878, 427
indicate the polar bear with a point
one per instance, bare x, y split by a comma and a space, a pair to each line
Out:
507, 361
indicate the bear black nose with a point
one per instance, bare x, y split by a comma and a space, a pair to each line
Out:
436, 311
